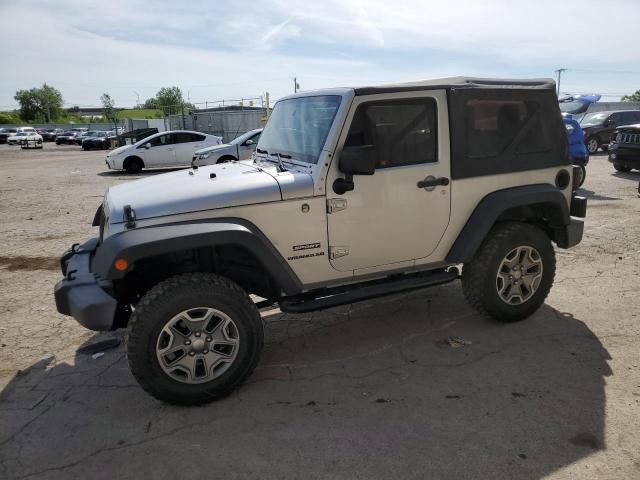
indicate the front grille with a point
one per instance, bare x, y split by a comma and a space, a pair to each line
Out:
628, 138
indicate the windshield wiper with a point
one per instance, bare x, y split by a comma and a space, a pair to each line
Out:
261, 151
280, 157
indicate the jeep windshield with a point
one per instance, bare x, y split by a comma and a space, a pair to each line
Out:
298, 127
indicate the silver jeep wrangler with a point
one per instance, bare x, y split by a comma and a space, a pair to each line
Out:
352, 193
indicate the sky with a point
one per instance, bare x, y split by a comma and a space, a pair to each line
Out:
236, 49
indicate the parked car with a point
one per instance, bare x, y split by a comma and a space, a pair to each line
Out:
624, 149
67, 137
88, 134
24, 136
6, 133
102, 140
240, 148
354, 193
51, 134
79, 129
577, 148
167, 149
599, 126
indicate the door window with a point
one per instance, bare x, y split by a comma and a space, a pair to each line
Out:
161, 140
629, 118
402, 131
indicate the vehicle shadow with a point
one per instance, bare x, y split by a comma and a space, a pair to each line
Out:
375, 390
632, 175
144, 173
591, 195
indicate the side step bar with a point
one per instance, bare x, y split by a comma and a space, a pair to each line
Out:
332, 297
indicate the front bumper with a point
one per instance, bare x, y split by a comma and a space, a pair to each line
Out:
80, 294
625, 155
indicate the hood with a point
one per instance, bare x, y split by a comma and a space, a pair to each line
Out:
215, 186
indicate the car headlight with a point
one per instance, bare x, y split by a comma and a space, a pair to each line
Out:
618, 138
204, 156
570, 128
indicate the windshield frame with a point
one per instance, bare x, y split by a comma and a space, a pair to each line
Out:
594, 115
298, 158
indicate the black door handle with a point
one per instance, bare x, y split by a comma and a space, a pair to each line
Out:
433, 182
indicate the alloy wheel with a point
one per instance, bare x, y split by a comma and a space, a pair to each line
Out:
519, 275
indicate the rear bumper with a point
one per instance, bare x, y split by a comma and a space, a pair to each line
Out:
80, 294
571, 234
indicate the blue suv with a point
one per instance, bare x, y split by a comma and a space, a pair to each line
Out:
577, 149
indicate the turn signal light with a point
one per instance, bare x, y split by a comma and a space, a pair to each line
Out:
121, 264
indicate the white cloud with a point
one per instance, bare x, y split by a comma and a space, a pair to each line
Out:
244, 48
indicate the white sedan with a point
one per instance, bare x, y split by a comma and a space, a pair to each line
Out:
24, 136
240, 148
166, 149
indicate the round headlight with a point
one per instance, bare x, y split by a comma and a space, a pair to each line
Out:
618, 138
570, 128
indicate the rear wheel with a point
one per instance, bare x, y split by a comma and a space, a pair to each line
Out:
512, 272
582, 175
194, 338
592, 145
133, 165
621, 168
225, 159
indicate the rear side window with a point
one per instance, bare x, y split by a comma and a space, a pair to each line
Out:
184, 137
507, 130
630, 117
495, 125
403, 131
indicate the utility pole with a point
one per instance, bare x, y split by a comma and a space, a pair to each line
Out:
295, 85
559, 72
137, 98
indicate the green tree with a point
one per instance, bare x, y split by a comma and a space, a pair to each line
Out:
43, 103
170, 100
149, 104
108, 109
635, 97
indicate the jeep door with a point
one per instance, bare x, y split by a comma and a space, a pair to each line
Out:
389, 218
161, 153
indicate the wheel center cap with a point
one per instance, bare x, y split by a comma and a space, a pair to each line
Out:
517, 274
198, 345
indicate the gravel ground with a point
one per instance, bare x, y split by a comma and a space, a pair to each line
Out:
371, 390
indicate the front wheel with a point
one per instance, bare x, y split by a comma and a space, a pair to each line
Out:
194, 338
512, 272
592, 145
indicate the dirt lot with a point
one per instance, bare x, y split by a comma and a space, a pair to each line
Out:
366, 391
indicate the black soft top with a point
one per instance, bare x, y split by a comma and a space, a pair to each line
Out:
459, 83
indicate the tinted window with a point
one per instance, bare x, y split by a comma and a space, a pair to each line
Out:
160, 140
629, 117
184, 137
403, 131
494, 125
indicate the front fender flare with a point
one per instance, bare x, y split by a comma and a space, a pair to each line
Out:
140, 243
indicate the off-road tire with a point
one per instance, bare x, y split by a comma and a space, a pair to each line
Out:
167, 299
621, 168
133, 165
226, 158
479, 275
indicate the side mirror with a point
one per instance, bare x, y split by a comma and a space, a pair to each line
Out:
147, 146
358, 160
354, 160
249, 142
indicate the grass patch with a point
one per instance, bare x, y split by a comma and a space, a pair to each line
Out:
139, 113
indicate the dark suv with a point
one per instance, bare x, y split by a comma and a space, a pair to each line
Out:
599, 126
